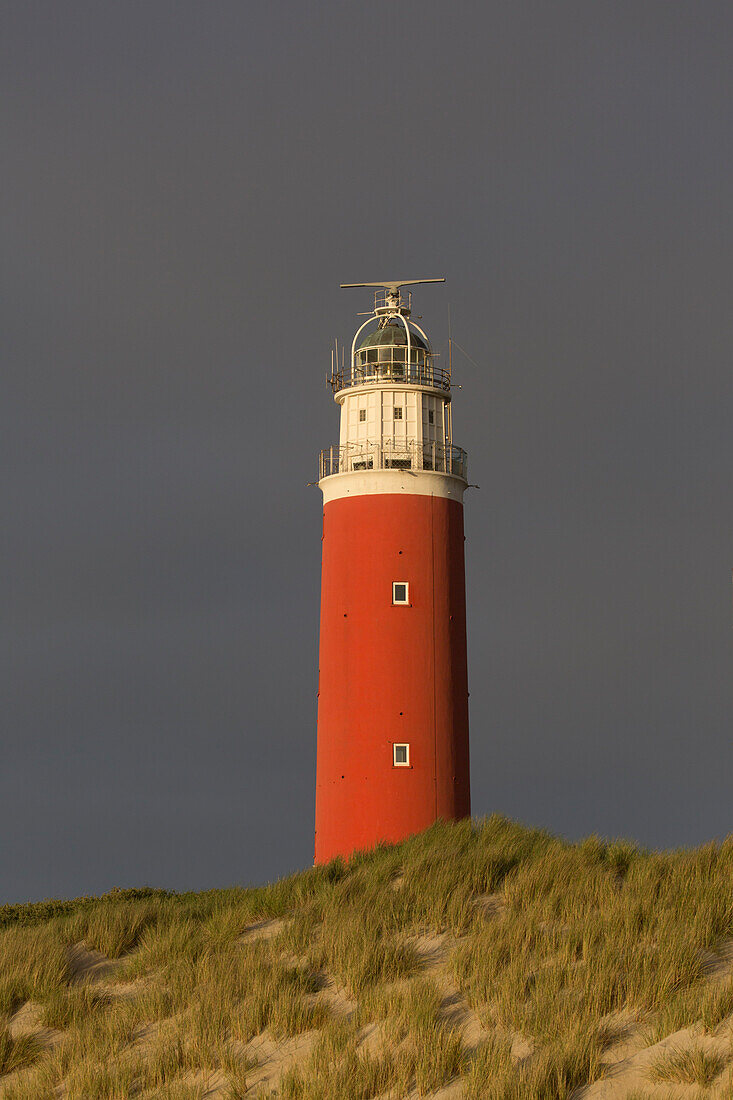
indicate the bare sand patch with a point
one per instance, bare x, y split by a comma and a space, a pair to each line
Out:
87, 964
372, 1037
275, 1057
632, 1074
718, 964
28, 1020
262, 929
336, 998
432, 951
492, 905
124, 990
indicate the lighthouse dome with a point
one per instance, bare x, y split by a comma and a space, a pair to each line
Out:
389, 335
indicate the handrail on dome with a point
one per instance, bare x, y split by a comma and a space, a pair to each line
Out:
386, 368
388, 301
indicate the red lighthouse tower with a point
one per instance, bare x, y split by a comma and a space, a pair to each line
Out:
393, 694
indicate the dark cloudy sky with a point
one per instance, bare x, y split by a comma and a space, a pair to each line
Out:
184, 186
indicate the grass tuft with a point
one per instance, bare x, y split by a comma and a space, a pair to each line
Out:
17, 1053
693, 1066
66, 1006
352, 1075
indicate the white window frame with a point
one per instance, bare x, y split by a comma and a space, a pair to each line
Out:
362, 415
401, 763
397, 412
401, 603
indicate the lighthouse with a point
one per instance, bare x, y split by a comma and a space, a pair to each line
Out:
392, 751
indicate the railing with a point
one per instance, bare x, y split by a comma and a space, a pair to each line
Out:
387, 301
357, 457
417, 373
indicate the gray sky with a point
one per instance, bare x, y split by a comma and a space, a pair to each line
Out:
184, 185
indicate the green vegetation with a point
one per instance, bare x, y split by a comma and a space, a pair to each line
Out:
367, 974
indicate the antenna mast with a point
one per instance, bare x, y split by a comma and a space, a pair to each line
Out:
450, 349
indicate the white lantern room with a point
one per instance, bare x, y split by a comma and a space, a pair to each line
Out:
395, 400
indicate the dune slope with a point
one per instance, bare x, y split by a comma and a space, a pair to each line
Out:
477, 960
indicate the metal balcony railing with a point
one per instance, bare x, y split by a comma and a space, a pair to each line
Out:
389, 301
357, 457
421, 371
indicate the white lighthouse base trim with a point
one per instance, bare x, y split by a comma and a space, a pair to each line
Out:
410, 482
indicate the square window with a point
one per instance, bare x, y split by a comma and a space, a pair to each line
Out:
431, 416
401, 756
398, 412
400, 592
362, 415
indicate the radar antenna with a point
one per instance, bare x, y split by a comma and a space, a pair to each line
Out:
392, 285
387, 298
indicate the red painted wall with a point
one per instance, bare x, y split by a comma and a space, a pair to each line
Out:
390, 673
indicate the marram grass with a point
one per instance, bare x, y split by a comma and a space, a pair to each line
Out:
544, 940
693, 1066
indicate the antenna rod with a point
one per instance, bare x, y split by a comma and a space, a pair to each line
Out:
392, 284
450, 348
